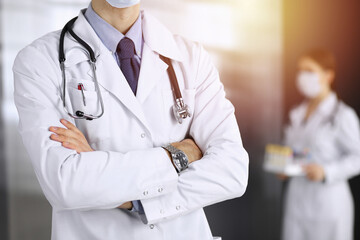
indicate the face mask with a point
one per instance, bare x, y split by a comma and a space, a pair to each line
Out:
308, 84
122, 3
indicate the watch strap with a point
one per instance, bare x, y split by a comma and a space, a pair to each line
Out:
171, 148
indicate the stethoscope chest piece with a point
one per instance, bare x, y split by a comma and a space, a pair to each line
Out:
181, 110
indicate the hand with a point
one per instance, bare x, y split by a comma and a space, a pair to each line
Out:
189, 147
70, 137
127, 205
282, 176
314, 172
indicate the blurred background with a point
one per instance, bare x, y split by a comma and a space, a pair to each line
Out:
255, 45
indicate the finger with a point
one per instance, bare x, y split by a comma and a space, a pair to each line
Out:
64, 132
62, 138
56, 138
69, 125
312, 176
53, 129
70, 146
60, 130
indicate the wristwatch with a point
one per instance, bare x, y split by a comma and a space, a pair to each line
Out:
178, 157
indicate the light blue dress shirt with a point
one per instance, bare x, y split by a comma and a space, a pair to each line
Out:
111, 37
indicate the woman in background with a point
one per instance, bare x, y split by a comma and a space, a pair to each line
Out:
320, 206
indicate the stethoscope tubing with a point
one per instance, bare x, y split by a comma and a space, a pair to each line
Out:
181, 110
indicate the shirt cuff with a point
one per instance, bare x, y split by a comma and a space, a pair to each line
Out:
135, 206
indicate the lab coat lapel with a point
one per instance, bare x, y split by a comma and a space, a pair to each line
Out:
151, 71
112, 79
157, 41
159, 38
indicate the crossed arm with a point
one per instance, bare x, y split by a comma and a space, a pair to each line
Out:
95, 180
72, 138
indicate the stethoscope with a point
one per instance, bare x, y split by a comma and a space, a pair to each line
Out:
180, 109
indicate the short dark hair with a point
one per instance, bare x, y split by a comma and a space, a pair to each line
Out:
324, 58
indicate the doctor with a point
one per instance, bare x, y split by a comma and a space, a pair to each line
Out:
132, 173
320, 206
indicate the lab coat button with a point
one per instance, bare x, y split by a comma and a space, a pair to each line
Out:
177, 207
145, 193
143, 135
151, 226
160, 189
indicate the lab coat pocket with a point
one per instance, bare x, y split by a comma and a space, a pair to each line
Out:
89, 85
88, 101
177, 131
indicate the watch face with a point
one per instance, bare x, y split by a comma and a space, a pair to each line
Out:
182, 158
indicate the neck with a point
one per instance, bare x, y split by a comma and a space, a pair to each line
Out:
316, 101
120, 18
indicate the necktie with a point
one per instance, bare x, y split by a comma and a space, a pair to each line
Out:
128, 64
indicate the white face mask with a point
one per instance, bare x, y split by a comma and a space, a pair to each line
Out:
308, 84
122, 3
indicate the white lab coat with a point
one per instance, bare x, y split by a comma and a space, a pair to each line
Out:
323, 210
129, 164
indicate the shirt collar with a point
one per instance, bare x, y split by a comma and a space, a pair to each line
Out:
167, 45
325, 108
110, 36
327, 105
